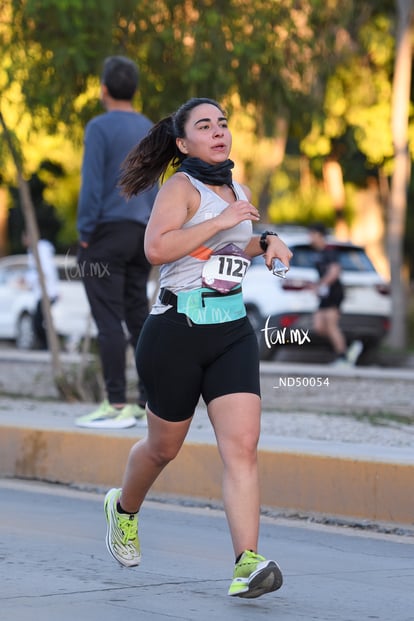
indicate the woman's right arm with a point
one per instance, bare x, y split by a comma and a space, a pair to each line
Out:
176, 203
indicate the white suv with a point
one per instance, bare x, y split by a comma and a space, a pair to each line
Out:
281, 310
71, 312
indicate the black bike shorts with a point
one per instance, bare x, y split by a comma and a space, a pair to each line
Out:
180, 361
333, 300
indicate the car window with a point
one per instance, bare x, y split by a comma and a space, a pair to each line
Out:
68, 268
351, 258
12, 274
355, 260
303, 256
69, 272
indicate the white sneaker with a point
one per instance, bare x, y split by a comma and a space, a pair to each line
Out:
108, 417
354, 351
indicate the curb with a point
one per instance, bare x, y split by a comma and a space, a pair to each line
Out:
349, 482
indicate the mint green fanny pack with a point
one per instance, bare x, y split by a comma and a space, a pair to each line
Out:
204, 306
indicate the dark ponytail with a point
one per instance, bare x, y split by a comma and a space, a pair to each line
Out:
148, 161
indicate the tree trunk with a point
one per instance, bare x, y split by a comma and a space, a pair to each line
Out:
280, 140
401, 173
3, 222
334, 183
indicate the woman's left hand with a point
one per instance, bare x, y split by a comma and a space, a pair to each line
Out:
276, 249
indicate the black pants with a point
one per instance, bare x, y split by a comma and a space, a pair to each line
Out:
115, 272
38, 323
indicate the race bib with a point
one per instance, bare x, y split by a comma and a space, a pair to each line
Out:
225, 269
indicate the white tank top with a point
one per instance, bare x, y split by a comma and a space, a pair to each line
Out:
185, 273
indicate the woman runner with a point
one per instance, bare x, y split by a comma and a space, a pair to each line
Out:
197, 340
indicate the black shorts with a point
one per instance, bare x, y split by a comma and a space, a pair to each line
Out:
334, 298
331, 301
178, 362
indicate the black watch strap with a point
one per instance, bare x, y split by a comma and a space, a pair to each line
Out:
263, 236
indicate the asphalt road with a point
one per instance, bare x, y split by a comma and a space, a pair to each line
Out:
54, 565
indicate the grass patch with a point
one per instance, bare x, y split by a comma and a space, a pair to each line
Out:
383, 419
379, 418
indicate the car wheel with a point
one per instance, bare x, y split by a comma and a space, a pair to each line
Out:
25, 338
257, 323
369, 355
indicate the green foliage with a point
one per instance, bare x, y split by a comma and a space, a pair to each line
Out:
56, 46
298, 198
325, 66
358, 95
271, 53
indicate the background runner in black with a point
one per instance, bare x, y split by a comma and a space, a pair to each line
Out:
330, 292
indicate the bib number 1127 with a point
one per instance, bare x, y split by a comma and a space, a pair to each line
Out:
232, 266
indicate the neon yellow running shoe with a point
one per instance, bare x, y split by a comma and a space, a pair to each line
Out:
108, 417
254, 576
134, 410
122, 532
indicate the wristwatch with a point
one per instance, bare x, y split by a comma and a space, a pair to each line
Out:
263, 236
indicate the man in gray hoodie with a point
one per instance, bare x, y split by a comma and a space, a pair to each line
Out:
111, 256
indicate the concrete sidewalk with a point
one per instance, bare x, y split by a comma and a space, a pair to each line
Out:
287, 387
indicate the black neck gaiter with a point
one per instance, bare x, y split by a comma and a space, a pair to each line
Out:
211, 174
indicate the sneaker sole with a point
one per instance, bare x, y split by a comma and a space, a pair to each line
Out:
107, 424
107, 538
264, 580
122, 563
